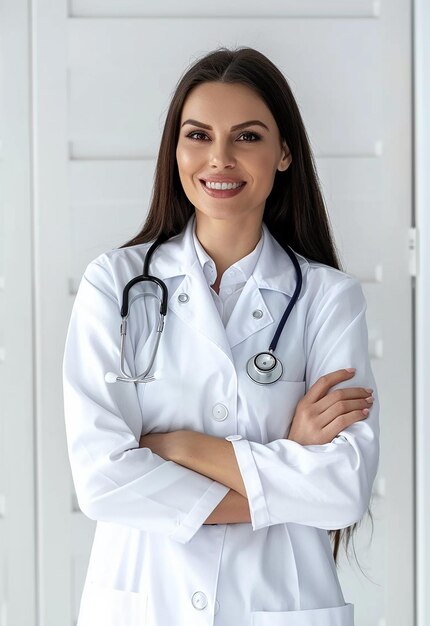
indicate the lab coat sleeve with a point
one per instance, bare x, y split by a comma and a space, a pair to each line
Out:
115, 480
327, 486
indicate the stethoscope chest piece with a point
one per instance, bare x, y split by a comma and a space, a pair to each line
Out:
264, 368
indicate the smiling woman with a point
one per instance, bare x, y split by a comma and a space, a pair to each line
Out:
218, 484
229, 150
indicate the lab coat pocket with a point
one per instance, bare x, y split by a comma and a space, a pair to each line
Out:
333, 616
105, 606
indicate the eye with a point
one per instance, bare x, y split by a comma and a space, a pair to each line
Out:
246, 133
257, 137
195, 132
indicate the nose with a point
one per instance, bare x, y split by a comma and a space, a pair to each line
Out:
221, 155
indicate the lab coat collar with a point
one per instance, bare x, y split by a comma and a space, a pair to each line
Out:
274, 269
244, 266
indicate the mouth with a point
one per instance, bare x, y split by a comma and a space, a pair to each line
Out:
222, 193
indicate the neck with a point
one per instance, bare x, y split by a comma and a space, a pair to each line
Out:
227, 241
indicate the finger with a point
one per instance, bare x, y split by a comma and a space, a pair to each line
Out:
335, 427
320, 388
343, 395
344, 407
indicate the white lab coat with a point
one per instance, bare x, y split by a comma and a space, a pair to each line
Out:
153, 561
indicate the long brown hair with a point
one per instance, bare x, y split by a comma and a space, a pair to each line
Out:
294, 212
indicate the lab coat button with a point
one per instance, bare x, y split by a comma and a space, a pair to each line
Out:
233, 437
216, 607
199, 600
183, 297
258, 313
219, 412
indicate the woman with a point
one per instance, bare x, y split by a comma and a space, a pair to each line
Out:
213, 493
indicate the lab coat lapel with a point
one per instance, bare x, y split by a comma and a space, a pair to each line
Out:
199, 311
244, 320
192, 300
274, 272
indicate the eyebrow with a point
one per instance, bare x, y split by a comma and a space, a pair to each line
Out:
236, 127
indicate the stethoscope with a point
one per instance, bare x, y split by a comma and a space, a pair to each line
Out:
263, 368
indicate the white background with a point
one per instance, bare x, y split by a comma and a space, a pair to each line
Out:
84, 90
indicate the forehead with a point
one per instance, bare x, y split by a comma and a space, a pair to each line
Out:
223, 103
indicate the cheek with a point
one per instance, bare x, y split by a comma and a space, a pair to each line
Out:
186, 159
263, 166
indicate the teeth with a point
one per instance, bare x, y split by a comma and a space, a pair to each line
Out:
223, 185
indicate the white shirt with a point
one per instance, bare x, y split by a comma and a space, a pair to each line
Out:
154, 561
232, 280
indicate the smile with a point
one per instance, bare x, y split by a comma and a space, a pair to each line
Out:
222, 190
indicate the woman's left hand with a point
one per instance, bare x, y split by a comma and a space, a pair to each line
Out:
162, 444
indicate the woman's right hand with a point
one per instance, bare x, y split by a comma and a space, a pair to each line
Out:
321, 415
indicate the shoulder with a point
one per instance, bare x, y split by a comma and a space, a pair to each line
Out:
331, 293
118, 259
111, 270
325, 278
324, 284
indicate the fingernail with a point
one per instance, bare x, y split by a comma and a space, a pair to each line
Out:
368, 390
369, 399
365, 411
350, 369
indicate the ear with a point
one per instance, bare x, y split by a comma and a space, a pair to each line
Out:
286, 158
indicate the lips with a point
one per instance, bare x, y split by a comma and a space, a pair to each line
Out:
222, 193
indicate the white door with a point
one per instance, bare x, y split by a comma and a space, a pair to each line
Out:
103, 76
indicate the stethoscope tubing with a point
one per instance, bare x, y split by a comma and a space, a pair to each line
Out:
270, 373
292, 302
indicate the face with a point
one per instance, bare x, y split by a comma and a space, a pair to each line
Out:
210, 147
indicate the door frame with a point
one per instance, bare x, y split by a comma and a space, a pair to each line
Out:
421, 125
